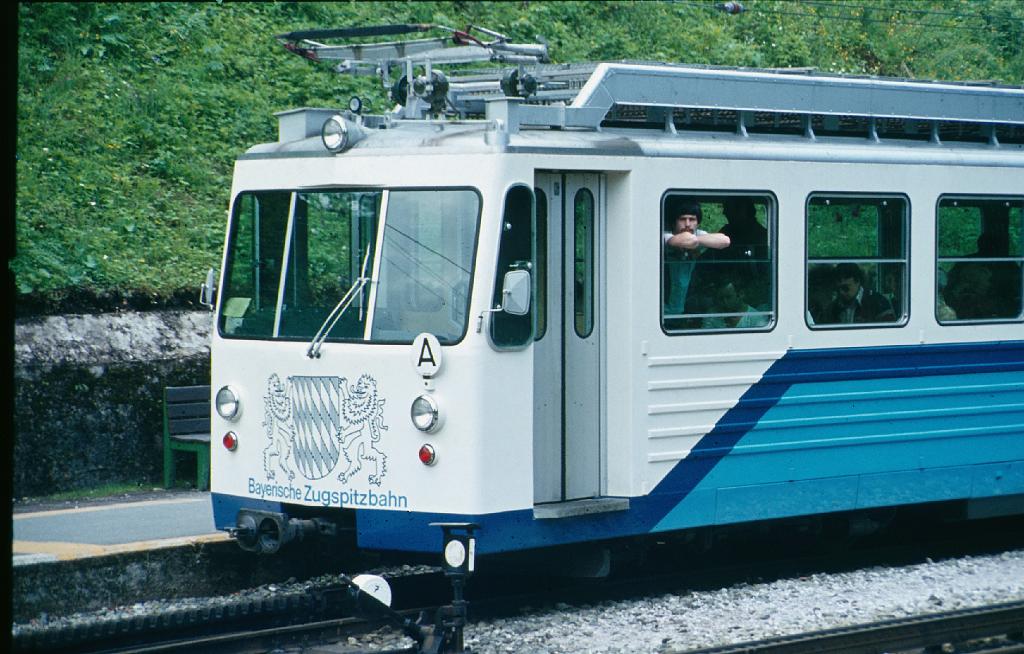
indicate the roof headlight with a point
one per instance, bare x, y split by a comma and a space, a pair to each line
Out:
425, 413
334, 133
227, 403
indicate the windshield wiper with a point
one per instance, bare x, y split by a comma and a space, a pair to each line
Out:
313, 351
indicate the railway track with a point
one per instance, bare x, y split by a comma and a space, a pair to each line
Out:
230, 625
325, 615
989, 629
998, 628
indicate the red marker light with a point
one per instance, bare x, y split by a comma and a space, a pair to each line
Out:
230, 441
427, 455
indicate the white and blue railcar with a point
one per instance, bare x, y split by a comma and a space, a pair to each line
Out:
431, 319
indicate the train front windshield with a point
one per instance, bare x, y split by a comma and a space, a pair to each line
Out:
406, 256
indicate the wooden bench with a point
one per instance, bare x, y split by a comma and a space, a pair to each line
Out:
187, 429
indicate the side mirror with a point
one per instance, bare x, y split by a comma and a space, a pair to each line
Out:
515, 293
515, 297
208, 290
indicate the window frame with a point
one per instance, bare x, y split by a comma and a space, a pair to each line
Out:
379, 252
904, 318
589, 262
503, 265
772, 203
377, 244
938, 258
541, 264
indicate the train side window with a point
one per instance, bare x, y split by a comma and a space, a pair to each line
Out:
514, 253
723, 279
856, 261
980, 256
541, 282
583, 262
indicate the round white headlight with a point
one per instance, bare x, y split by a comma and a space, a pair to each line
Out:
424, 413
455, 553
334, 134
227, 403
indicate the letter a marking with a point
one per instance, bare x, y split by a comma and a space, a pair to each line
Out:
426, 354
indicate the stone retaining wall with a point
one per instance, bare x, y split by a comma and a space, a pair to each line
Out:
88, 395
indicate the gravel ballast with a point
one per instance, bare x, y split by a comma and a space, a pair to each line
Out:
685, 620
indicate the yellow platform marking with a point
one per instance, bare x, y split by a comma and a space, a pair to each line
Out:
107, 507
65, 551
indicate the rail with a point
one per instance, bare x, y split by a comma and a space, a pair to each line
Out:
918, 632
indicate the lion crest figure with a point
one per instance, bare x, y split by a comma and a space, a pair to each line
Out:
312, 422
364, 413
277, 423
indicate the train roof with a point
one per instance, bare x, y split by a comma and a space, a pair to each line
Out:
629, 101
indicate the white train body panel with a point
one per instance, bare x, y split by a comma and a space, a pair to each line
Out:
686, 429
463, 385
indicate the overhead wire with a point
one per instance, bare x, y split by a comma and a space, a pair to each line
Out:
903, 9
891, 18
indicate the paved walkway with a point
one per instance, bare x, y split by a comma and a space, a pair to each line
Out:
98, 529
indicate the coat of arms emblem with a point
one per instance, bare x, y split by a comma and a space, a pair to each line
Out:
313, 422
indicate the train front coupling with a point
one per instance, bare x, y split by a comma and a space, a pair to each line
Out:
267, 531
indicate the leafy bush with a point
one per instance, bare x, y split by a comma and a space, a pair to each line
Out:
129, 116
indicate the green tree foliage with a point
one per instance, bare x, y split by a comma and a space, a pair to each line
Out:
129, 116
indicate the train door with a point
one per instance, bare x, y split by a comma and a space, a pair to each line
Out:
567, 367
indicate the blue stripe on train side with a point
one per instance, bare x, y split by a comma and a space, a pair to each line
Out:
829, 446
866, 368
823, 430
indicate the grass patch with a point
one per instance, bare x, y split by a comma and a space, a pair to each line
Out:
130, 115
107, 490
